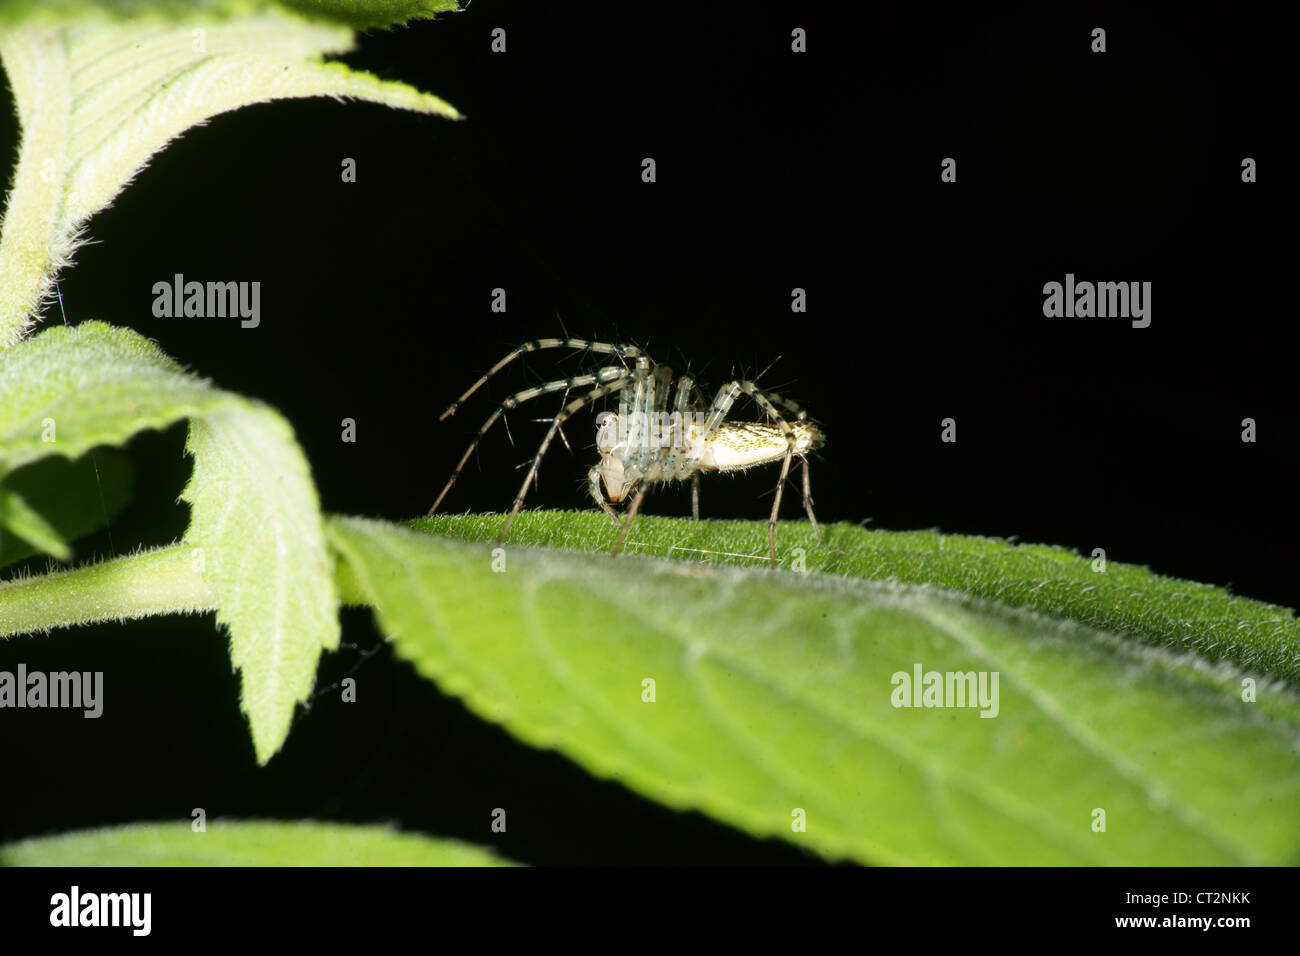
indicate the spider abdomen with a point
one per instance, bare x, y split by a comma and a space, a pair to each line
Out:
741, 445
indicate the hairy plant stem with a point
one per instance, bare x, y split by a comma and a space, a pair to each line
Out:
162, 581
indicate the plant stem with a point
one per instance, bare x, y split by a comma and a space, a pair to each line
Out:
163, 581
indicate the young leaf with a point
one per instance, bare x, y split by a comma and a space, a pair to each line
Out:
255, 532
79, 496
17, 517
775, 703
98, 95
244, 843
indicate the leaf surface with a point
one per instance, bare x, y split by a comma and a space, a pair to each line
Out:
243, 843
255, 528
99, 94
775, 692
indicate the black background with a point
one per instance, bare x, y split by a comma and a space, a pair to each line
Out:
775, 170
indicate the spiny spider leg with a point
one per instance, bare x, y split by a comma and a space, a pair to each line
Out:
622, 351
677, 440
632, 510
801, 415
644, 432
722, 403
808, 504
726, 397
563, 437
593, 478
564, 415
754, 392
686, 390
607, 374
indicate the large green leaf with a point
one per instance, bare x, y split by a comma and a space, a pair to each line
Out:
97, 95
774, 695
255, 533
243, 843
1168, 612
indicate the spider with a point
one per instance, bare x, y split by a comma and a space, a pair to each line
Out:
658, 434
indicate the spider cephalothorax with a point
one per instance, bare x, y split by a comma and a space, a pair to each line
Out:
661, 432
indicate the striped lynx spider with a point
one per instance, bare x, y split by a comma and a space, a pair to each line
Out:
661, 432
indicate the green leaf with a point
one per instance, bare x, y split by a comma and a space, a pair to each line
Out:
360, 14
774, 694
244, 843
19, 518
78, 496
364, 14
255, 531
1167, 612
98, 96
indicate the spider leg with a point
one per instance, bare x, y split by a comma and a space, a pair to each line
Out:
658, 437
722, 403
757, 394
649, 446
678, 459
801, 415
808, 504
622, 351
593, 477
636, 416
563, 437
726, 397
618, 383
610, 373
717, 413
632, 510
563, 401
